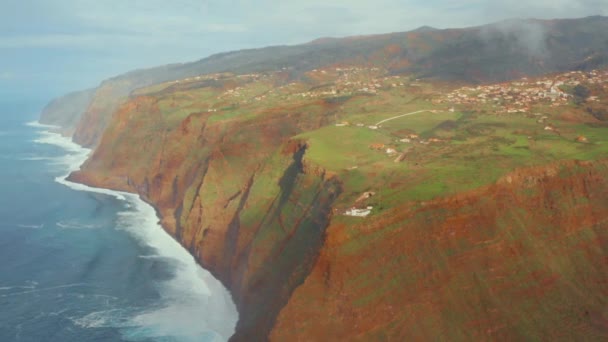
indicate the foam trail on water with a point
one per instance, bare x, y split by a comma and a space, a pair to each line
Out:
37, 124
71, 224
35, 158
31, 226
194, 305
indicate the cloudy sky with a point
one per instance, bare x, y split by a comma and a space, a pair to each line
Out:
53, 46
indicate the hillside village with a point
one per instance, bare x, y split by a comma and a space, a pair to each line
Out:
521, 95
511, 97
329, 82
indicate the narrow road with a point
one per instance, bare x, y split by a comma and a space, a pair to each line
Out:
400, 116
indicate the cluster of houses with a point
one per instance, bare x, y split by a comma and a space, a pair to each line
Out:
341, 81
208, 77
350, 80
235, 93
514, 97
519, 96
391, 151
414, 138
591, 77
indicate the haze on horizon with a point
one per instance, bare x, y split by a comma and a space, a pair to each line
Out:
51, 47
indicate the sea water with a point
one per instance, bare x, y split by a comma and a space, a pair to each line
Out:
85, 264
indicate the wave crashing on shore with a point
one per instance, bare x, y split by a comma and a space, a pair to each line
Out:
194, 306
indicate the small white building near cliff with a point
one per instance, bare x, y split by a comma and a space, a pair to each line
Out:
358, 212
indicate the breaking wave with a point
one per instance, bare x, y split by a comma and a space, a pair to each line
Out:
37, 124
194, 306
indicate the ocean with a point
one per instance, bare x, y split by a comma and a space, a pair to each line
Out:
84, 264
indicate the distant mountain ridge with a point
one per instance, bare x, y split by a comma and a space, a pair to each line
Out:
425, 28
490, 53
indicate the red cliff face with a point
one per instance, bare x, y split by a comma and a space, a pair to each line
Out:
238, 185
525, 258
237, 194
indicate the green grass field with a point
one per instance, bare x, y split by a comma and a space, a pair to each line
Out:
476, 147
476, 150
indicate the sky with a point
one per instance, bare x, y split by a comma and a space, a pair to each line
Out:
49, 47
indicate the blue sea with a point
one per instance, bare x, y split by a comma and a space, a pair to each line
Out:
83, 264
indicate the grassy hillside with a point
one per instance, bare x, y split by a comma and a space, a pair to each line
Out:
489, 53
253, 172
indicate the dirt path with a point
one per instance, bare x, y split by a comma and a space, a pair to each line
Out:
400, 116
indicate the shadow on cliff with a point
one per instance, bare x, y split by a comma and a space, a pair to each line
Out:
262, 292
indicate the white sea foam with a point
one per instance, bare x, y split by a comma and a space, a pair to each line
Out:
197, 303
31, 226
36, 290
37, 124
29, 285
194, 305
56, 139
35, 158
100, 319
74, 224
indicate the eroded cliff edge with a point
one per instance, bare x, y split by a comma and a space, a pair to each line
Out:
240, 197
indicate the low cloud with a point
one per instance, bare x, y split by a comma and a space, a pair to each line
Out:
259, 22
496, 10
530, 36
38, 36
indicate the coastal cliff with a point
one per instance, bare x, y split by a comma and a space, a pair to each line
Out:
66, 111
240, 197
521, 258
486, 220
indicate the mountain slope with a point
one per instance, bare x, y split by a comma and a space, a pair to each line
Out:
489, 53
523, 259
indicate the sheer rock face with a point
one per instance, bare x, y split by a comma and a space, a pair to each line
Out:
524, 258
239, 196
